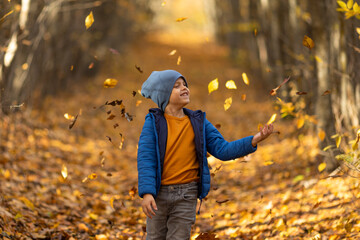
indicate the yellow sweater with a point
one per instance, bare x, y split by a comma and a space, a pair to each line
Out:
180, 163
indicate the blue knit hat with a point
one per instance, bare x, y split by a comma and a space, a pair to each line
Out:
159, 86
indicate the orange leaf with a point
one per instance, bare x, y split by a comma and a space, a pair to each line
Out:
308, 42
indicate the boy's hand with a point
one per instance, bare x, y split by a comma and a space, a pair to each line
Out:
148, 204
263, 134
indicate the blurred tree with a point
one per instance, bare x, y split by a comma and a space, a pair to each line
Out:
46, 47
333, 65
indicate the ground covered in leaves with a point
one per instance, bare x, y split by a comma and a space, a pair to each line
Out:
81, 183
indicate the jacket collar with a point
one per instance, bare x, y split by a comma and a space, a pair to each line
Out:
195, 114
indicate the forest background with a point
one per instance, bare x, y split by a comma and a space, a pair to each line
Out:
71, 113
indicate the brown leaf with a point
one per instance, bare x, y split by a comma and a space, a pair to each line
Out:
221, 201
111, 117
308, 42
301, 93
327, 92
133, 93
73, 122
139, 69
273, 91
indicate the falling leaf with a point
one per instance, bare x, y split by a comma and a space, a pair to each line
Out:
181, 19
300, 122
128, 117
321, 134
110, 83
163, 3
213, 85
91, 65
245, 78
139, 69
273, 91
92, 176
318, 59
301, 93
3, 17
115, 125
71, 67
68, 116
102, 162
221, 201
133, 93
227, 103
321, 167
338, 141
27, 202
178, 60
328, 147
114, 103
112, 202
89, 20
230, 85
298, 178
243, 97
64, 171
112, 116
327, 92
218, 125
133, 191
114, 51
272, 119
25, 66
138, 102
308, 42
172, 52
255, 32
122, 141
73, 122
267, 163
85, 179
108, 112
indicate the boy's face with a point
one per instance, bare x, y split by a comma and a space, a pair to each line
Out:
180, 95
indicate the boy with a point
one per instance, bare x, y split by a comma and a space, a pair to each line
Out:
172, 165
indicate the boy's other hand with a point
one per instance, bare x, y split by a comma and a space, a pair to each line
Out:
263, 134
148, 205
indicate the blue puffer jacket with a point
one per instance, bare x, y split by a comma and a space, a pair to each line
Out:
152, 146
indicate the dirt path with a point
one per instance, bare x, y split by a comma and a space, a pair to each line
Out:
274, 193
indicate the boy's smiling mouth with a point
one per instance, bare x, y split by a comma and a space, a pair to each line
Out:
185, 94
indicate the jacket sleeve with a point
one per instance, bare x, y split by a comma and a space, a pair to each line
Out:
217, 146
147, 159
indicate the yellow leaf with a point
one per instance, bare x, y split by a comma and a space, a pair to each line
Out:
112, 202
110, 83
272, 119
318, 59
350, 4
213, 85
328, 147
93, 216
245, 79
138, 102
85, 179
321, 134
342, 5
338, 141
3, 17
92, 176
178, 60
227, 103
300, 122
7, 174
89, 20
356, 9
64, 171
163, 3
230, 84
280, 225
321, 167
181, 19
27, 202
308, 42
68, 116
101, 237
267, 163
172, 52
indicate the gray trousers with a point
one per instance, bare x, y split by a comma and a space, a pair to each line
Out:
176, 213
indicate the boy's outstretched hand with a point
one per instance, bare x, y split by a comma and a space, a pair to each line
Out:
148, 205
263, 134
